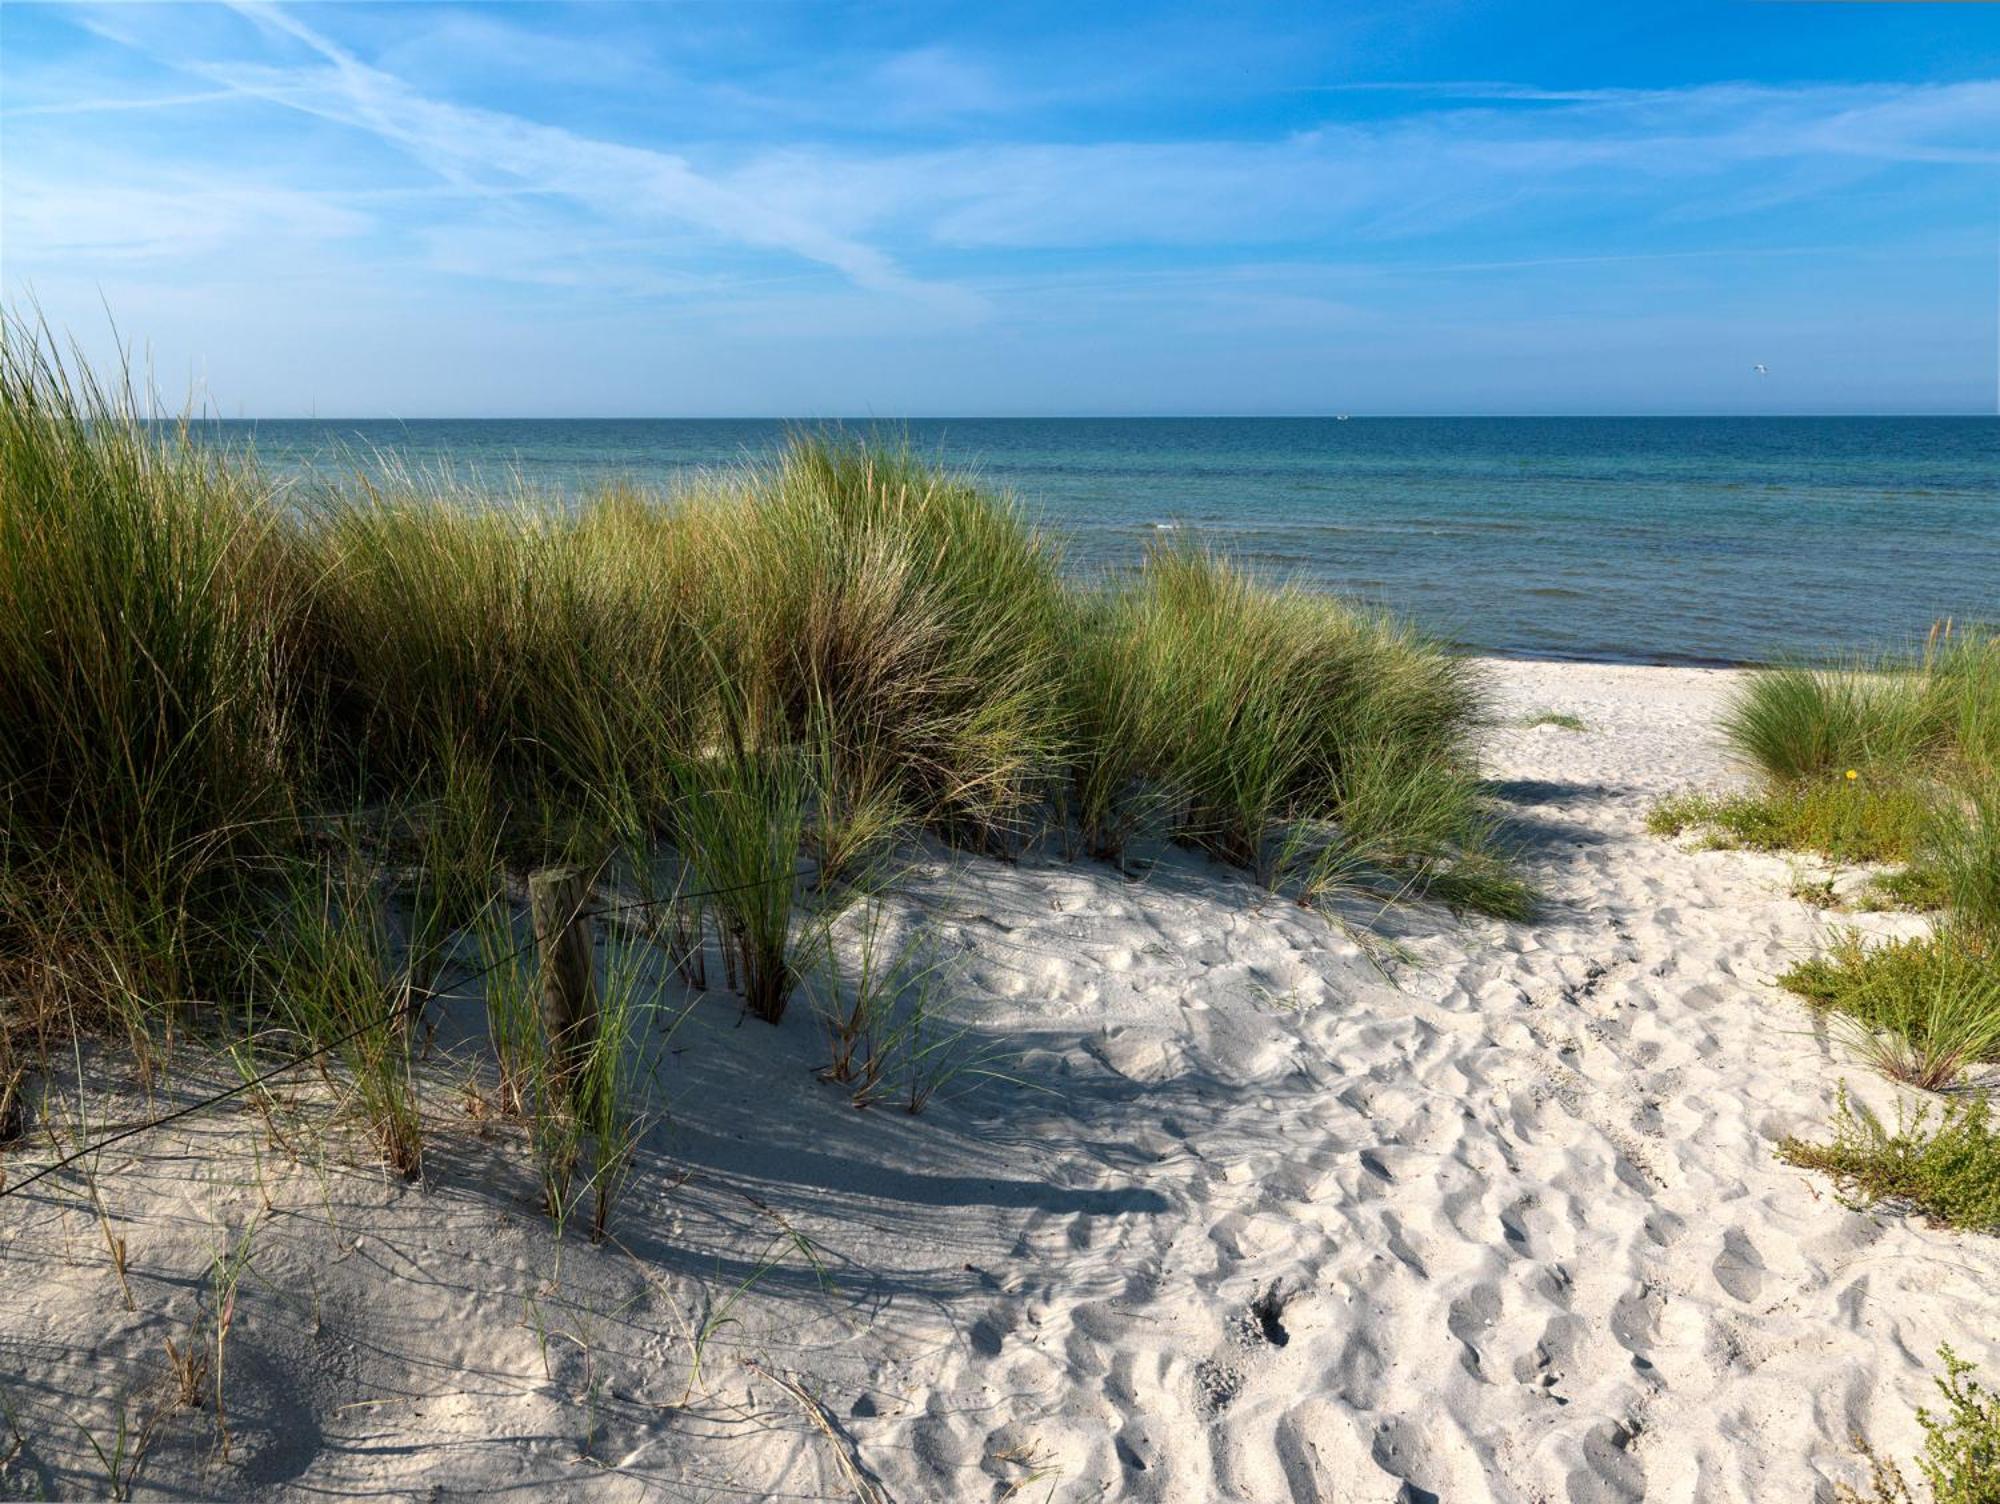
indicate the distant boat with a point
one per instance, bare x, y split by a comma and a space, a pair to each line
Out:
1340, 417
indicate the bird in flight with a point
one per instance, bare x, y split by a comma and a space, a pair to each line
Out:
1761, 370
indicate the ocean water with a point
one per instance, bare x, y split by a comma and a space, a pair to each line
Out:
1705, 540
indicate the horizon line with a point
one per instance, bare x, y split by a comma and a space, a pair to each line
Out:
859, 420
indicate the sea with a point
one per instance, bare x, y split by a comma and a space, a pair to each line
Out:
1641, 540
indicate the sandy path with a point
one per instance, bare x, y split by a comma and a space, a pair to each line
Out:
1493, 1216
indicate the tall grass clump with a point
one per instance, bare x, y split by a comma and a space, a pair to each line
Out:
139, 645
1283, 731
143, 726
1962, 856
1890, 761
1801, 723
445, 626
277, 753
910, 621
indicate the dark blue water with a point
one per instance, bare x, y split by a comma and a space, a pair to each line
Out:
1641, 539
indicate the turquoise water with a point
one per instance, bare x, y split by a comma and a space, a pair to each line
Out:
1636, 539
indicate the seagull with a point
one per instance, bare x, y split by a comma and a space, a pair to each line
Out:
1761, 370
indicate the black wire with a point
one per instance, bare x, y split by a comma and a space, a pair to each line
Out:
415, 1000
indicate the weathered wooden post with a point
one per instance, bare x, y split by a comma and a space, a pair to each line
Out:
557, 899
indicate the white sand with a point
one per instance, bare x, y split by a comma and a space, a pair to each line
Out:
1498, 1220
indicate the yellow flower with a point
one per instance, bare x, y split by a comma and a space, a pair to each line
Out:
1852, 774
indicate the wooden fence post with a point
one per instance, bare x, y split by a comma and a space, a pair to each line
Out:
557, 899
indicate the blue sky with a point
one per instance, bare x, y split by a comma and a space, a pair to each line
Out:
903, 210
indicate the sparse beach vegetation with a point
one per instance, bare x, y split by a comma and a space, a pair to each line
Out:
1961, 1457
1885, 762
1562, 720
1945, 1167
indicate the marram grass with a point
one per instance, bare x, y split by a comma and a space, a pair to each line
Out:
1889, 761
791, 669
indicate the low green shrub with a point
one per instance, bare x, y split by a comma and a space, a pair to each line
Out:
1949, 1172
1849, 819
1920, 886
1961, 1460
1925, 1010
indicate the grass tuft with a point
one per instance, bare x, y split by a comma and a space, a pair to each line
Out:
1924, 1010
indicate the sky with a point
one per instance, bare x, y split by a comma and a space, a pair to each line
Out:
889, 210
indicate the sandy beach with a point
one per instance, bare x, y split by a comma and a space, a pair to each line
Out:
1261, 1208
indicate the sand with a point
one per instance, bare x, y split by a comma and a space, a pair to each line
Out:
1464, 1212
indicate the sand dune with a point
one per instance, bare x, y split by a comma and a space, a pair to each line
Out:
1466, 1212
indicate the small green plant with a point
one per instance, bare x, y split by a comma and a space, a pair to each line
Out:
228, 1263
617, 1062
932, 1053
1841, 817
856, 1018
1961, 1458
1950, 1172
122, 1459
510, 988
741, 822
1920, 886
721, 1316
1922, 1010
1561, 719
341, 988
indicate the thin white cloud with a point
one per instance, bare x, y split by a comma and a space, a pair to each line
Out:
1718, 145
489, 150
822, 232
115, 106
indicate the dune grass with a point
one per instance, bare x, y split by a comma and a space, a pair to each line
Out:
1880, 761
1923, 1011
368, 709
1891, 761
1288, 733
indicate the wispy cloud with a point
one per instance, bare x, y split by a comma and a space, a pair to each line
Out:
175, 223
488, 150
1404, 176
119, 105
870, 184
